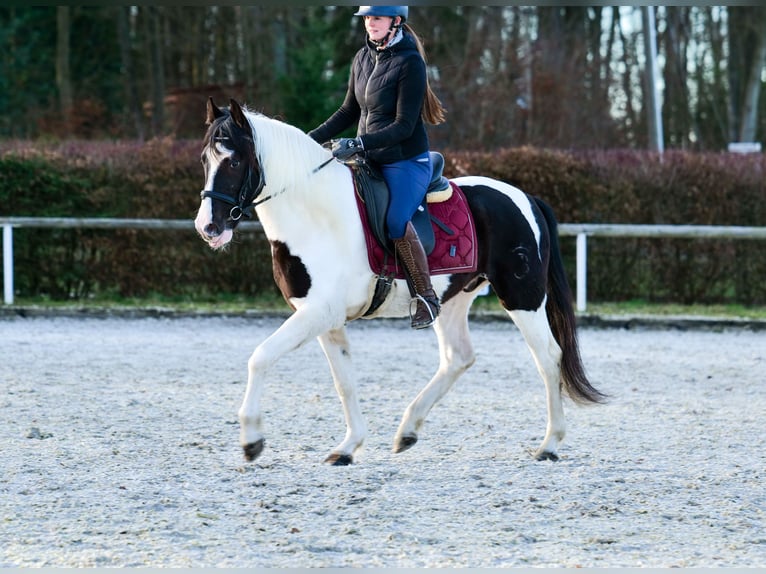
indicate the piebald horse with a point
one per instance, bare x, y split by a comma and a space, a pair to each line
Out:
307, 207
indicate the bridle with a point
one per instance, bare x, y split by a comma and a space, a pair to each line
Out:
245, 202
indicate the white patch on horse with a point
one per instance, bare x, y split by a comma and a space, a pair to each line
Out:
205, 213
518, 197
278, 144
214, 158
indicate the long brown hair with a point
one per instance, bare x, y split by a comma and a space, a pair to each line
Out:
433, 111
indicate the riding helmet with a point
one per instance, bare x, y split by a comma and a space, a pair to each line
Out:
391, 11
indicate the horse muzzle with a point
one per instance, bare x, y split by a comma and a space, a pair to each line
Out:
216, 235
216, 239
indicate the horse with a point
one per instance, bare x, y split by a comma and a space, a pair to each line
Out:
306, 205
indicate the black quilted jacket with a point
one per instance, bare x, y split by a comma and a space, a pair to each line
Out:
385, 98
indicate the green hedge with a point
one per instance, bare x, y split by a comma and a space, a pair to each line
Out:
161, 179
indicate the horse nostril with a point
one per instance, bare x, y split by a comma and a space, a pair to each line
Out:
211, 230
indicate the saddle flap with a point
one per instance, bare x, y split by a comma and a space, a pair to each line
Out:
423, 226
455, 245
374, 193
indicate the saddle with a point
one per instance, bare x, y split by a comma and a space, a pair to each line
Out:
374, 193
443, 222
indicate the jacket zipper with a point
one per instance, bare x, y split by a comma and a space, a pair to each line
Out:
366, 92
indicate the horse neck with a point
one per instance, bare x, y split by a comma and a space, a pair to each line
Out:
287, 156
304, 196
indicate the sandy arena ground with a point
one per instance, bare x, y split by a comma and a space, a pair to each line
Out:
119, 447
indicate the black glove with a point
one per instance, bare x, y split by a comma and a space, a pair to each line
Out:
344, 148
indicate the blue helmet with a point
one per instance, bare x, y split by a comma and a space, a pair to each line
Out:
391, 11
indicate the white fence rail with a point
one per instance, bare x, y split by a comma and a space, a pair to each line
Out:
579, 230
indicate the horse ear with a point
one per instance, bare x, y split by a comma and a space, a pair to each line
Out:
238, 115
213, 111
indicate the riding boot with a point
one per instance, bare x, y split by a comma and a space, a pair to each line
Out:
413, 257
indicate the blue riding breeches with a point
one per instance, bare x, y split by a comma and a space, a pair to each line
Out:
407, 183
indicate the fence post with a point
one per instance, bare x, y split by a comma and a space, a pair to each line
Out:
8, 264
582, 271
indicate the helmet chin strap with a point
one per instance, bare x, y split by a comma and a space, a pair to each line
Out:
393, 29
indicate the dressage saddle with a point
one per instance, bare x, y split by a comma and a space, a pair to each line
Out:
375, 195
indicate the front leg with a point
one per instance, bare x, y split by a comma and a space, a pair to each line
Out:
300, 327
336, 348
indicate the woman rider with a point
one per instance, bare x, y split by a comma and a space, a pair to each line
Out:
389, 98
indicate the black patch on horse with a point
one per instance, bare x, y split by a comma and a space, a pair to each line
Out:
516, 272
290, 273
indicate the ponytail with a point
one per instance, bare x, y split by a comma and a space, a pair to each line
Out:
433, 111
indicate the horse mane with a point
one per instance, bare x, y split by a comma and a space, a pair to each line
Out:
286, 154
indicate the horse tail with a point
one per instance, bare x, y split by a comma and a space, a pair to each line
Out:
561, 317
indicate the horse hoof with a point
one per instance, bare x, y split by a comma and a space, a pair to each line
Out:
336, 459
253, 450
405, 442
546, 455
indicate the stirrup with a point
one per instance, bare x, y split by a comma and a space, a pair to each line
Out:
431, 306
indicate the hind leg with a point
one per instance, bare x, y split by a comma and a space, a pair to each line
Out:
455, 357
547, 356
336, 348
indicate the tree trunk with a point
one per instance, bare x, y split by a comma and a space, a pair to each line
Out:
128, 73
158, 73
746, 60
675, 41
752, 85
629, 62
63, 71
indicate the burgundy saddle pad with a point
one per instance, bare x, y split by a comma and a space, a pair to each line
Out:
455, 234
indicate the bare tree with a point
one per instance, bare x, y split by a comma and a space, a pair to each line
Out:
63, 67
710, 108
156, 68
747, 57
752, 84
562, 76
128, 72
676, 116
634, 126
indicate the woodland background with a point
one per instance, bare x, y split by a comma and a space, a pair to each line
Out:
104, 112
563, 77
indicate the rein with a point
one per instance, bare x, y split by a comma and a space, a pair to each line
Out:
247, 196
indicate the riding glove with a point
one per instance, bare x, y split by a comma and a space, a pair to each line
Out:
344, 148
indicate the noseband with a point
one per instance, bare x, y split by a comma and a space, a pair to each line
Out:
245, 203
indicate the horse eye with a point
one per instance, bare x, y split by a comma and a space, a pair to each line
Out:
234, 163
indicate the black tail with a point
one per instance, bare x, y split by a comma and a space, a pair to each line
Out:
561, 317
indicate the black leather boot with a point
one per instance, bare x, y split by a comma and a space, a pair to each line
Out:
415, 262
